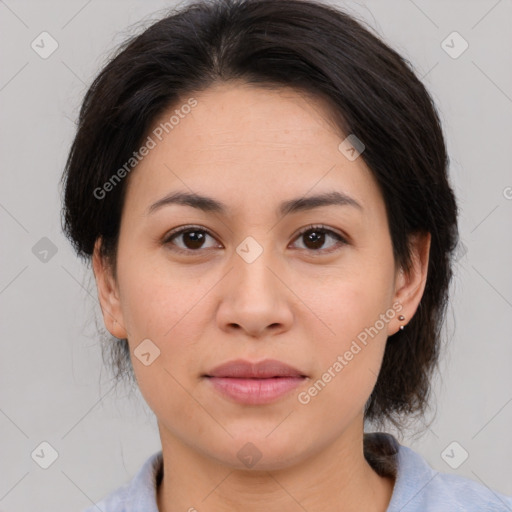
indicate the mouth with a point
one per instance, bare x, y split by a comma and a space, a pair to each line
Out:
254, 383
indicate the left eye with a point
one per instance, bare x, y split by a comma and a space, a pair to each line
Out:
315, 237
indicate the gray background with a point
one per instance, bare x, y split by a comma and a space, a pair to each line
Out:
53, 386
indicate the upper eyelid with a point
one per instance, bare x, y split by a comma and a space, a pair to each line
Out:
184, 229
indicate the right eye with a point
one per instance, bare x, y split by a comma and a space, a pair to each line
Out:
192, 239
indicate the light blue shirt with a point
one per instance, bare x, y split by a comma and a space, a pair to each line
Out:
418, 488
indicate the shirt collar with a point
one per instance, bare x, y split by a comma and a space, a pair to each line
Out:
142, 491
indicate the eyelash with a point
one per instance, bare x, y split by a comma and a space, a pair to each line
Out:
315, 227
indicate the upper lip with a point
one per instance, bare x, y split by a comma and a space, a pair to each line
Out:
266, 369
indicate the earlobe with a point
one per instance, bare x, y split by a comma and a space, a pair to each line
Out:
108, 294
410, 284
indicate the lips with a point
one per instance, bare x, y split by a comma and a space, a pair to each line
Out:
254, 383
246, 370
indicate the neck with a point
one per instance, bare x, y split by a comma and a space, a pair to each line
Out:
338, 478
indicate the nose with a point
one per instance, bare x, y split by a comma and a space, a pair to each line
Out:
254, 298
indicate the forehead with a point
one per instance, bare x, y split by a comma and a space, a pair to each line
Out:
248, 143
234, 117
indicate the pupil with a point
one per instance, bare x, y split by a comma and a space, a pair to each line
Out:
316, 238
196, 238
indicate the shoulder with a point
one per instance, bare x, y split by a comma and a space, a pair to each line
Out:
419, 487
138, 494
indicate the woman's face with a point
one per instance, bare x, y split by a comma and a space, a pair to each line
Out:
251, 280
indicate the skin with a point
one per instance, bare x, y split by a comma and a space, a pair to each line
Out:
298, 302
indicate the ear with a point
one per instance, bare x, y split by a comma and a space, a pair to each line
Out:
108, 294
410, 284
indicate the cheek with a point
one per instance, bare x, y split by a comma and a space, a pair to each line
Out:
356, 310
155, 299
171, 319
347, 361
168, 311
351, 301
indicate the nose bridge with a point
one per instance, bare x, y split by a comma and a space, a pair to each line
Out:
255, 293
253, 296
253, 261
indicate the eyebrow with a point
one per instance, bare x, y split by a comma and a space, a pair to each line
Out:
208, 204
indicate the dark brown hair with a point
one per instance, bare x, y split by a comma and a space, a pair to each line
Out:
313, 48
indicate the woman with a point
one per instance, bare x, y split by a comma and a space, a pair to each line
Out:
262, 190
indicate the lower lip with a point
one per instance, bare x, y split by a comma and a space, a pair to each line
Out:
255, 391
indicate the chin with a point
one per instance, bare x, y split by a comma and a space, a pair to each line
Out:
260, 451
